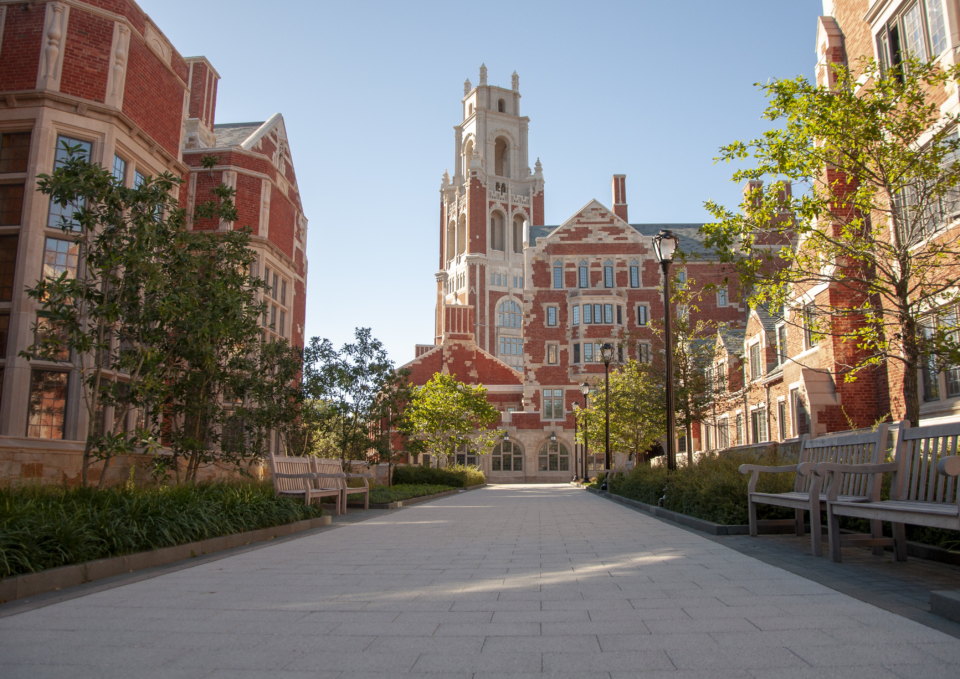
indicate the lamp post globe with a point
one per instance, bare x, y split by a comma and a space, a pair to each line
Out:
665, 245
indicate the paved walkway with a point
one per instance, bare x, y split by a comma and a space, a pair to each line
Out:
503, 581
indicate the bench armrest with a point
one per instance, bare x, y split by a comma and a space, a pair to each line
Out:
337, 475
949, 466
359, 476
309, 475
825, 468
747, 468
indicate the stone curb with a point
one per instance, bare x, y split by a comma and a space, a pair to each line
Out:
422, 498
914, 549
946, 604
31, 584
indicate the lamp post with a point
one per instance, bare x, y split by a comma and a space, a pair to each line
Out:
606, 352
585, 390
665, 244
576, 435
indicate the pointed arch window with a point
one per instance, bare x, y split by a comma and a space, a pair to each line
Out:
608, 274
509, 314
583, 274
634, 274
558, 274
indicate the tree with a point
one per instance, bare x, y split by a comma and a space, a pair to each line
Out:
693, 355
349, 382
875, 165
445, 414
389, 407
637, 413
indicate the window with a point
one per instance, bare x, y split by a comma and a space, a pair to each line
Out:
496, 232
557, 275
782, 419
552, 352
508, 315
596, 313
511, 346
49, 342
588, 313
554, 458
119, 169
551, 315
576, 315
48, 404
937, 26
14, 151
608, 275
706, 437
740, 439
60, 256
576, 353
919, 31
723, 433
138, 179
643, 352
781, 344
931, 378
518, 235
643, 314
507, 457
62, 216
608, 313
681, 279
283, 293
273, 290
801, 419
588, 352
756, 369
619, 315
465, 456
582, 273
4, 327
634, 274
501, 106
553, 404
11, 204
810, 337
8, 266
721, 297
758, 422
281, 328
721, 377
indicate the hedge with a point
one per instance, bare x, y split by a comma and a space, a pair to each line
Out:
46, 527
457, 476
386, 494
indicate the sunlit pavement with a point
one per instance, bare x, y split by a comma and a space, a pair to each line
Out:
503, 581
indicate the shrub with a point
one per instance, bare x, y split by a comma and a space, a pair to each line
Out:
456, 476
712, 489
386, 494
46, 527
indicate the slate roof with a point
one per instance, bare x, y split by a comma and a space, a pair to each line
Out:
234, 134
732, 337
689, 234
768, 320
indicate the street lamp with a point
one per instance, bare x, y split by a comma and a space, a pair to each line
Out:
665, 244
576, 435
585, 390
606, 352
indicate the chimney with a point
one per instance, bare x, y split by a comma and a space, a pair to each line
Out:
202, 103
620, 196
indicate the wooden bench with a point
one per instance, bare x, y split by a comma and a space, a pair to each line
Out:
923, 491
336, 479
842, 450
300, 476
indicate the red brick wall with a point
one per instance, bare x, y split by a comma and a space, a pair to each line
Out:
153, 97
247, 201
20, 52
122, 7
86, 59
198, 82
282, 217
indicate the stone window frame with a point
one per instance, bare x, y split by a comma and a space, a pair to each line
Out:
552, 353
635, 278
757, 367
551, 315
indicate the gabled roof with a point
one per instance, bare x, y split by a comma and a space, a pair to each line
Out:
246, 135
732, 338
767, 320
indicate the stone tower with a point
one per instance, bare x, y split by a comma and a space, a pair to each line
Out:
486, 210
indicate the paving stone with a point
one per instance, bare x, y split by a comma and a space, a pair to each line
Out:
507, 581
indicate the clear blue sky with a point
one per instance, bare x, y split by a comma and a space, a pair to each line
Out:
370, 93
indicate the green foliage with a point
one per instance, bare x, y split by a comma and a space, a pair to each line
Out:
348, 383
386, 494
874, 182
46, 527
444, 415
712, 488
637, 412
455, 476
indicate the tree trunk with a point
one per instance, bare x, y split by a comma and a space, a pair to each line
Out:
85, 467
689, 433
911, 386
103, 472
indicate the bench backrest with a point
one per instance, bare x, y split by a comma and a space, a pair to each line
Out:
868, 448
289, 465
322, 466
919, 450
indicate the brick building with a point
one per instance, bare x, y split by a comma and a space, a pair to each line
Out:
101, 74
794, 378
523, 307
